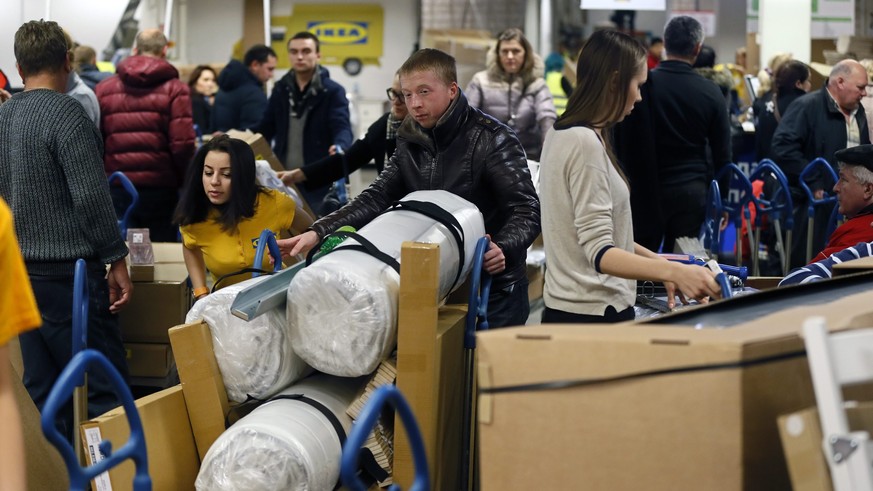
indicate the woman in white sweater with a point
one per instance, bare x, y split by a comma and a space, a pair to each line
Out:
592, 259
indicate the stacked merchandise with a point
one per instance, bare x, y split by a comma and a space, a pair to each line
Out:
380, 442
342, 309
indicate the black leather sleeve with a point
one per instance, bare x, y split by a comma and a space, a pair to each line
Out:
510, 180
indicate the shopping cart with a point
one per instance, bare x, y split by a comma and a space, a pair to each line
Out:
818, 165
351, 457
778, 207
737, 204
73, 382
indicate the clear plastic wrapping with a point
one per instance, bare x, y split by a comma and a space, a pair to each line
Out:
342, 310
255, 357
284, 444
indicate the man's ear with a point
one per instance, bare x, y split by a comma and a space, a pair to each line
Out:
868, 191
20, 73
697, 49
454, 89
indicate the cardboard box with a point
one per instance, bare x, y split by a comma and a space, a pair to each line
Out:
263, 151
854, 266
163, 252
157, 306
149, 360
202, 384
172, 456
801, 438
648, 406
536, 277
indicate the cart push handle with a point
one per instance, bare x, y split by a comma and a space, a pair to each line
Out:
739, 209
721, 270
134, 199
134, 448
361, 429
480, 289
267, 240
712, 222
80, 307
818, 162
784, 207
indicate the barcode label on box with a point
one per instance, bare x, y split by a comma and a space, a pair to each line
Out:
92, 440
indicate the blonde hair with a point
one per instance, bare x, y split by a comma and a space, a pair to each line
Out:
765, 76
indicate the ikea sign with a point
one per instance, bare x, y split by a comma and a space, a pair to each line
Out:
339, 32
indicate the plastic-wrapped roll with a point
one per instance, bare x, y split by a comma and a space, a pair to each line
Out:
255, 357
342, 309
285, 443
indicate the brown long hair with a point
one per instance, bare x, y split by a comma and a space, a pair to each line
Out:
607, 63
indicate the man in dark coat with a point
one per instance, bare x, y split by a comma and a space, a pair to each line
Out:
446, 144
817, 125
308, 113
240, 102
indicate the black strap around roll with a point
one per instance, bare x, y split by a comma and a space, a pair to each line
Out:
367, 460
435, 212
363, 245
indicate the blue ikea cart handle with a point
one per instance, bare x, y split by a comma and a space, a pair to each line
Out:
480, 289
816, 163
267, 240
80, 307
366, 422
134, 448
781, 208
134, 200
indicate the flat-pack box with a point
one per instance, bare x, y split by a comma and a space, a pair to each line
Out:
172, 456
802, 441
164, 252
201, 380
646, 406
149, 359
157, 305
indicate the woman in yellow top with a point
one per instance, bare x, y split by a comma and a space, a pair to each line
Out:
223, 210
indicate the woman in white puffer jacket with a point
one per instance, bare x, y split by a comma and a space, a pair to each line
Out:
514, 91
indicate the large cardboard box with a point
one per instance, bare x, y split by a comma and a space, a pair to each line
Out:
641, 406
149, 359
802, 440
164, 252
201, 380
263, 151
172, 456
157, 306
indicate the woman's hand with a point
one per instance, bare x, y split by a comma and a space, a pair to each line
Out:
692, 281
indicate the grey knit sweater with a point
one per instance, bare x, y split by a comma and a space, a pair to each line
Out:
51, 174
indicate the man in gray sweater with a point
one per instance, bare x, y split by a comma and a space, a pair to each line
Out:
51, 174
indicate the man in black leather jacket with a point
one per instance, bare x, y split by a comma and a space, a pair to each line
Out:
446, 144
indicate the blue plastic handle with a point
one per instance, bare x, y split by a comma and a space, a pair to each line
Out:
80, 307
818, 162
740, 272
134, 200
780, 204
134, 448
267, 240
480, 289
714, 211
736, 210
366, 422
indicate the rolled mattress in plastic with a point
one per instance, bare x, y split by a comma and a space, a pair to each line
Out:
342, 309
285, 443
255, 357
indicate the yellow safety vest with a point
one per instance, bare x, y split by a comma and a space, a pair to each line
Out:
553, 80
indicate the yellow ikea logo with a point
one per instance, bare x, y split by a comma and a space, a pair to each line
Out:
339, 32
